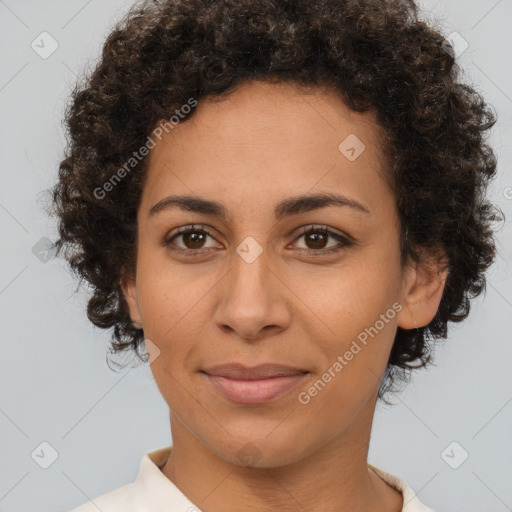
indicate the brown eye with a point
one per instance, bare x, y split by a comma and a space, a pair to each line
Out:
316, 241
193, 239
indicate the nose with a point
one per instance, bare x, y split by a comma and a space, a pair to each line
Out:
252, 299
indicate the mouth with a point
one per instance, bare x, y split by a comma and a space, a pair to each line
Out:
256, 385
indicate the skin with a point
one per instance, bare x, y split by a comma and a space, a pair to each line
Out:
263, 144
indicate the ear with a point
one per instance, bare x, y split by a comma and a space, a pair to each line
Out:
129, 289
423, 287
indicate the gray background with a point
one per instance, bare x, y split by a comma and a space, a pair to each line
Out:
55, 384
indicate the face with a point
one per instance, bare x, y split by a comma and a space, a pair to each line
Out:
265, 277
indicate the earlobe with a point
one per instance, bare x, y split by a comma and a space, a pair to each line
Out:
129, 289
422, 293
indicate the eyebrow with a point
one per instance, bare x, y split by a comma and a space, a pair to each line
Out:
288, 207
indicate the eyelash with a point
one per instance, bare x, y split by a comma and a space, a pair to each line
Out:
344, 240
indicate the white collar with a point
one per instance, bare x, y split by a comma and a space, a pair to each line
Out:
151, 484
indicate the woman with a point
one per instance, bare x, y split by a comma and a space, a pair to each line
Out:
284, 203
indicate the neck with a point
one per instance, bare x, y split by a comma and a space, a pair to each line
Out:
333, 477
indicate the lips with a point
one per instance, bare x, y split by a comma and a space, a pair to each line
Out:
254, 385
262, 371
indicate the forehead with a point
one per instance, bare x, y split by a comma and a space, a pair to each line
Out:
265, 140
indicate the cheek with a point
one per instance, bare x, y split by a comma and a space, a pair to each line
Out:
353, 356
170, 295
355, 309
350, 297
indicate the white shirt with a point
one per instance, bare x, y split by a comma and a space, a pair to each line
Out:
152, 491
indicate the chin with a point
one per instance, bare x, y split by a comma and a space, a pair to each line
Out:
253, 450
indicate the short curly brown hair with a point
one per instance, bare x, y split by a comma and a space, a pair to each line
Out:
377, 55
